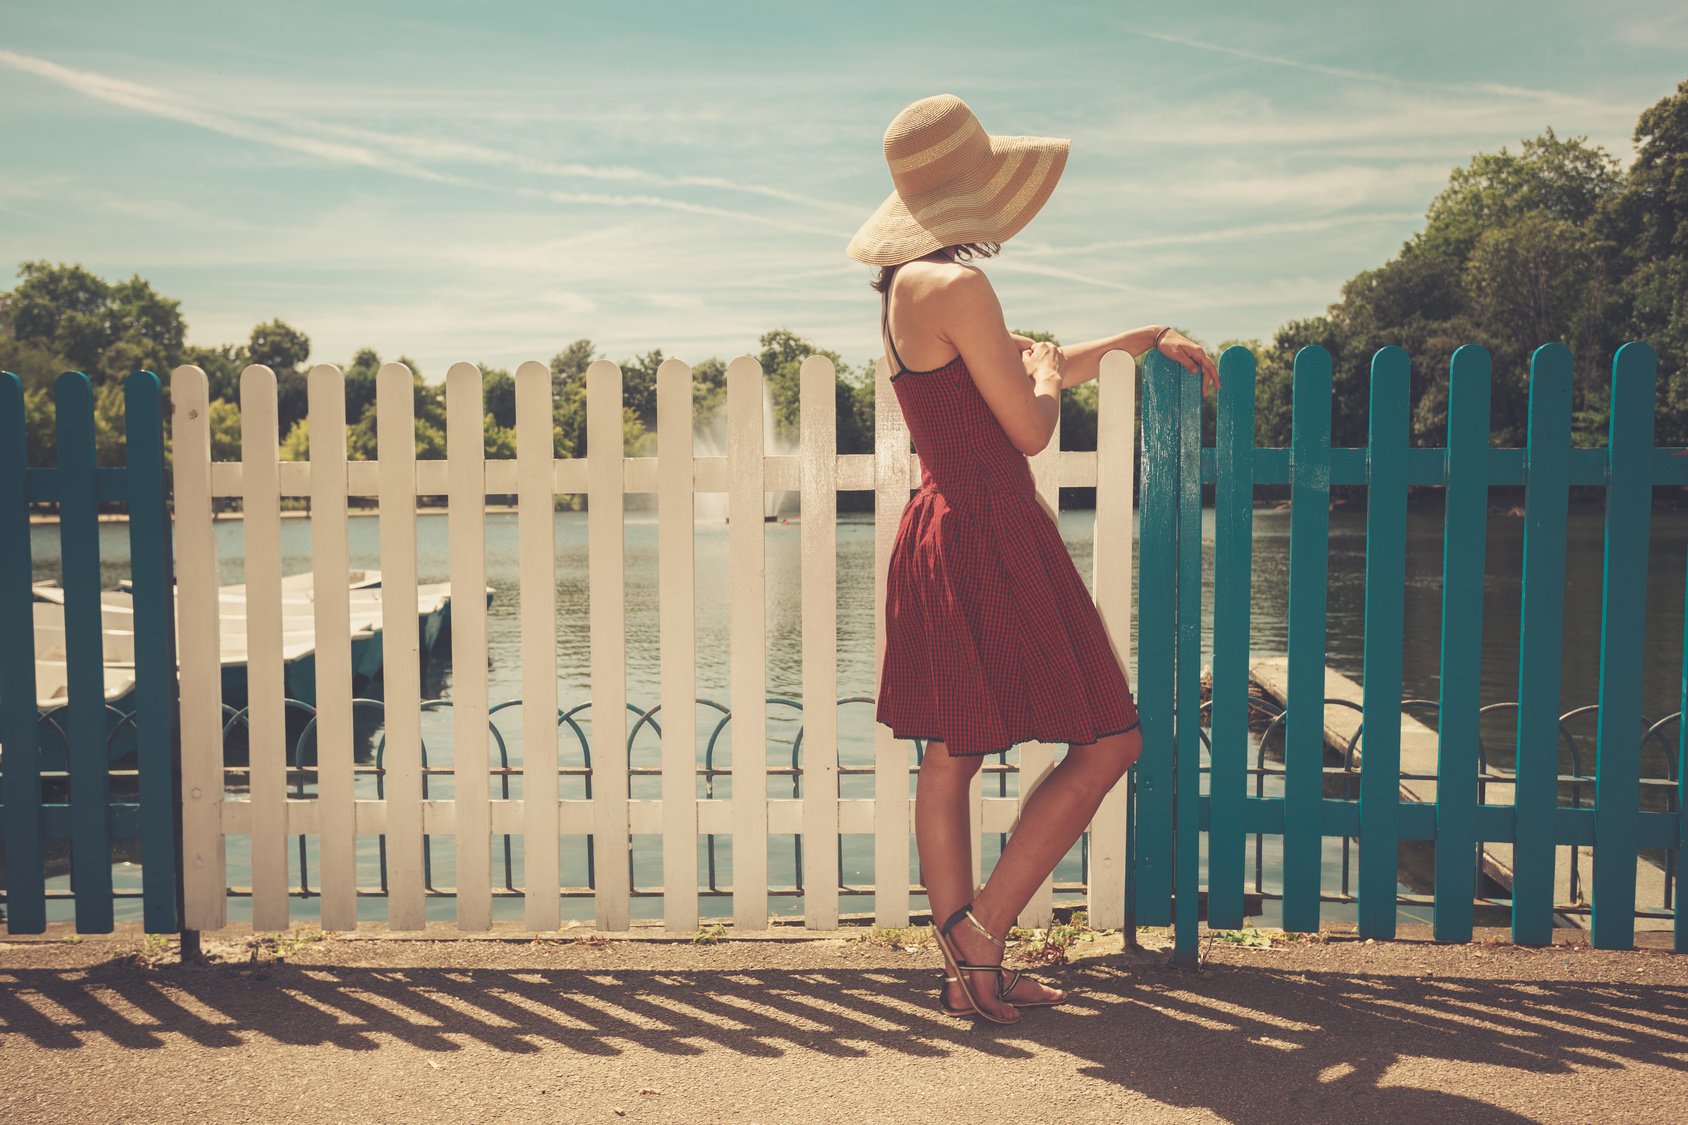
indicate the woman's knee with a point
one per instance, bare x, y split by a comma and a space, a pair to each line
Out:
939, 762
1113, 755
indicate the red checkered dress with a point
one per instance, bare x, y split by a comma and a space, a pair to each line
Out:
991, 637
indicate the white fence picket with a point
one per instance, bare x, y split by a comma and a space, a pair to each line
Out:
606, 538
606, 483
1115, 408
747, 632
266, 717
331, 606
536, 549
1038, 758
466, 496
890, 756
818, 532
677, 641
401, 660
199, 649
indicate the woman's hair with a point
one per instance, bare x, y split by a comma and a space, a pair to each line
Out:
961, 252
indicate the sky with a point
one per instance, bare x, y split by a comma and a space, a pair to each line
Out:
491, 181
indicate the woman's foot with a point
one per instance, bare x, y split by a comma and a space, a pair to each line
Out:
975, 947
1028, 993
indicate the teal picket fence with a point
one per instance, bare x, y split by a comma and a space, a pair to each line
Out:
86, 770
1171, 811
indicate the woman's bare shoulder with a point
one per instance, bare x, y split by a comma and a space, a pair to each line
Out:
944, 280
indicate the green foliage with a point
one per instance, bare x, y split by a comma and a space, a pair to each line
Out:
39, 416
1554, 243
105, 330
362, 437
709, 935
296, 446
1052, 945
225, 431
498, 394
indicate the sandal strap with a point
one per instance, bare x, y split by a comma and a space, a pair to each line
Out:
980, 926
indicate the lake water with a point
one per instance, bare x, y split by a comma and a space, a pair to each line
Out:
856, 666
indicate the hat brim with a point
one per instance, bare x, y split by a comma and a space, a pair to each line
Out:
991, 202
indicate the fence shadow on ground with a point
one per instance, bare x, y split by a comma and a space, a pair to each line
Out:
1252, 1041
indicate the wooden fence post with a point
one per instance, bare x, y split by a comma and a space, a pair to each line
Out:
1541, 635
401, 659
1386, 561
20, 766
153, 580
1309, 558
1464, 538
677, 621
818, 409
466, 480
1623, 615
79, 548
1233, 559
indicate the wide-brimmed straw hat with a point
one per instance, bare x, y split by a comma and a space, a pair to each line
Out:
955, 183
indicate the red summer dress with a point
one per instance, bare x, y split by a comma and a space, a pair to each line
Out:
991, 637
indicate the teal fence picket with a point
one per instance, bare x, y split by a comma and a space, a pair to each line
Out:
1304, 743
1617, 768
1157, 650
1681, 921
1540, 644
1464, 538
1386, 562
1188, 736
153, 575
20, 764
1233, 561
79, 547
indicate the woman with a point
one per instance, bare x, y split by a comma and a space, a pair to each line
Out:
991, 637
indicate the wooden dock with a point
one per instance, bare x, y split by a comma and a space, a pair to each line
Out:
1418, 756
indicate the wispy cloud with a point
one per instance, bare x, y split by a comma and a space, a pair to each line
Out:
1355, 75
158, 103
384, 151
1225, 235
608, 200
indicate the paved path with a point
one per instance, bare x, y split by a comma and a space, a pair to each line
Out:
833, 1031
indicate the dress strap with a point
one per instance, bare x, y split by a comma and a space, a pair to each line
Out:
885, 324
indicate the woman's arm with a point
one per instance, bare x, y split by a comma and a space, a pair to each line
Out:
1084, 361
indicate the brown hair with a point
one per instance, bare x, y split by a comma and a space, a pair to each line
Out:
961, 252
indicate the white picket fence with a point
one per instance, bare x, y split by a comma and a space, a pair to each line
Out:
270, 817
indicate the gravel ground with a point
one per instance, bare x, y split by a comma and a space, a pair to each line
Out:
765, 1029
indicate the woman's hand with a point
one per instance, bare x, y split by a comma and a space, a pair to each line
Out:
1179, 348
1043, 360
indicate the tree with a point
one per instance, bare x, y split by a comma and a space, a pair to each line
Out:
278, 346
1649, 219
569, 366
102, 329
498, 393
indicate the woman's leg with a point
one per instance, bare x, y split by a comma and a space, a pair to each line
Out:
943, 834
1057, 813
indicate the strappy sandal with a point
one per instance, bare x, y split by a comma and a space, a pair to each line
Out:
1003, 990
954, 965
